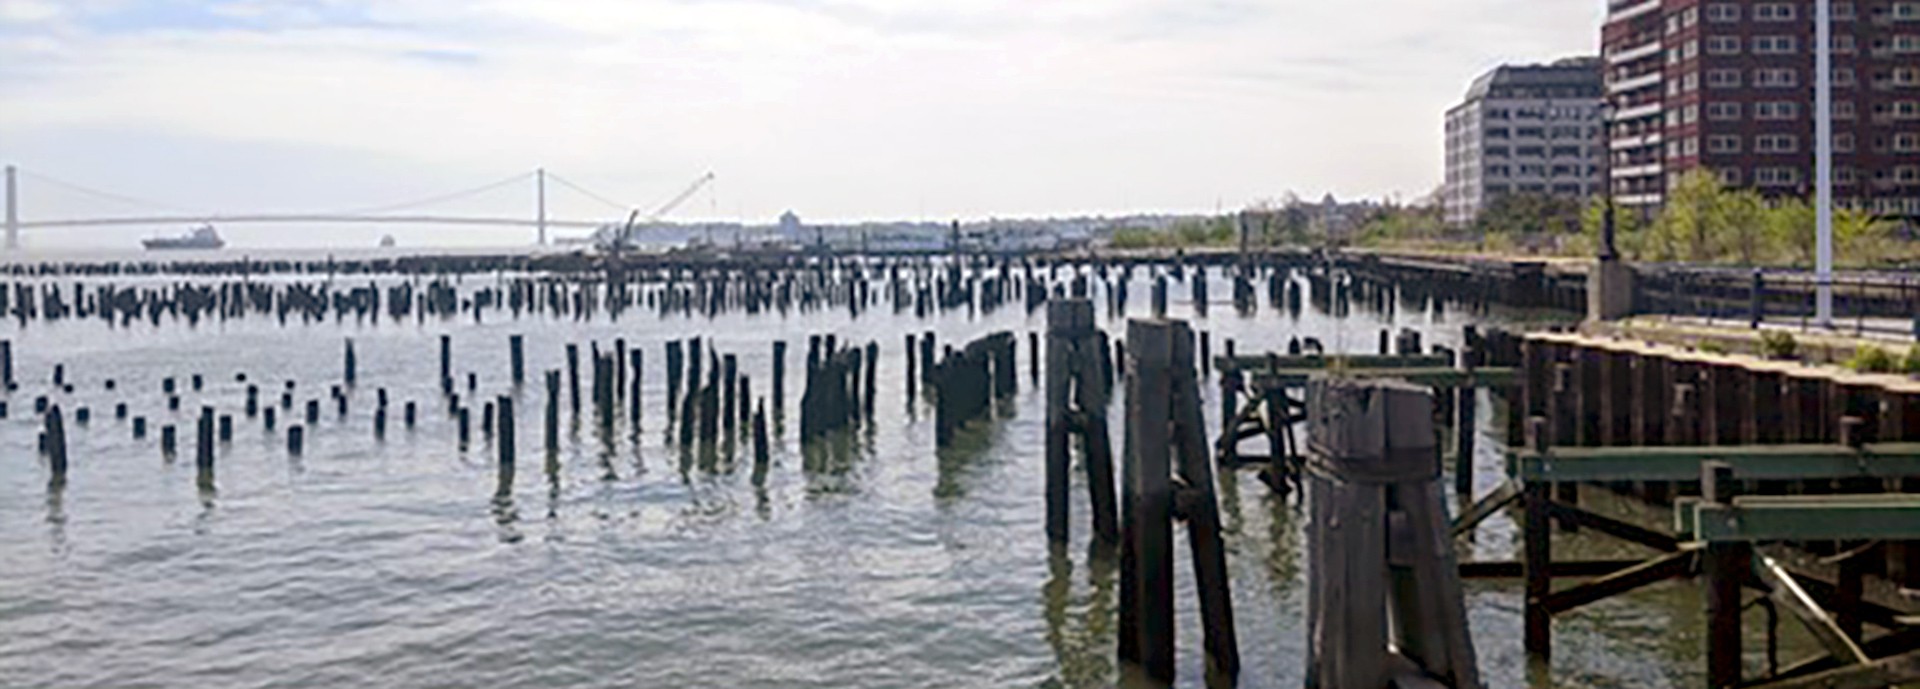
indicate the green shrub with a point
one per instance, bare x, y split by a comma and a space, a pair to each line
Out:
1871, 359
1778, 344
1712, 347
1912, 363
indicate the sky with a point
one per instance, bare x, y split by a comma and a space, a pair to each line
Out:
836, 109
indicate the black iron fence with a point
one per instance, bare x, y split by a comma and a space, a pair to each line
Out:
1863, 302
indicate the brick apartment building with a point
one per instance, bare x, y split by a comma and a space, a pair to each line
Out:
1728, 86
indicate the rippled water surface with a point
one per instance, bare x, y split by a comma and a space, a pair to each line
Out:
868, 561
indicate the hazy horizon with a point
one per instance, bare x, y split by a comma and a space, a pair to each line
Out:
840, 110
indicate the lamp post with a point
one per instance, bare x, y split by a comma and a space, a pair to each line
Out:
1606, 252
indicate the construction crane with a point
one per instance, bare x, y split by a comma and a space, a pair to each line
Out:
624, 237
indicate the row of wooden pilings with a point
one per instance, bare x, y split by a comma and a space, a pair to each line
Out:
1594, 392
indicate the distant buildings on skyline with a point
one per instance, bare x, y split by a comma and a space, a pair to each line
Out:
1721, 85
1528, 129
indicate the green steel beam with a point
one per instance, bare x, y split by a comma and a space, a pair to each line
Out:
1440, 377
1888, 516
1682, 463
1257, 363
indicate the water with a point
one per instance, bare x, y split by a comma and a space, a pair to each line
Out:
871, 561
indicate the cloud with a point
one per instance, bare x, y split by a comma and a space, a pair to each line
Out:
837, 108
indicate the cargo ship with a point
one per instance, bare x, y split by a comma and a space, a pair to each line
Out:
202, 237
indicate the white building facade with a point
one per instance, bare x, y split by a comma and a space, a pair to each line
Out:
1532, 129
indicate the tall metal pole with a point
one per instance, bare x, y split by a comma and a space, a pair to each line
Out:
540, 185
1823, 157
13, 211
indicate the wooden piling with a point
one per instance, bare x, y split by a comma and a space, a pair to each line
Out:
573, 377
1146, 547
553, 412
296, 439
203, 450
1725, 567
517, 357
349, 366
503, 486
780, 375
56, 445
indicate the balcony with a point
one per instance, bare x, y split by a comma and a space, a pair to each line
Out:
1633, 11
1650, 49
1636, 112
1648, 199
1621, 143
1641, 170
1636, 83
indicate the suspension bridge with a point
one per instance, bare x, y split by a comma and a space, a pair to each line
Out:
403, 213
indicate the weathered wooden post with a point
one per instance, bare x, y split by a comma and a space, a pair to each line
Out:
169, 442
351, 369
296, 439
517, 357
1196, 502
1724, 568
1383, 573
676, 360
634, 404
446, 364
553, 412
503, 486
56, 445
1467, 399
780, 375
573, 377
1033, 356
203, 449
1537, 551
1146, 505
6, 365
873, 365
760, 453
729, 394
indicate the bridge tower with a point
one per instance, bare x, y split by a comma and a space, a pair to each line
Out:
540, 193
13, 211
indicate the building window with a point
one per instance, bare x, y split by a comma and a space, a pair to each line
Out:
1529, 132
1723, 78
1496, 113
1723, 111
1843, 44
1906, 76
1497, 132
1842, 77
1775, 45
1906, 43
1497, 170
1723, 12
1690, 82
1775, 77
1529, 151
1843, 110
1906, 10
1906, 174
1730, 176
1497, 151
1690, 49
1773, 12
1775, 176
1776, 143
1690, 146
1566, 151
1723, 143
1842, 11
1723, 45
1906, 110
1690, 114
1906, 142
1844, 175
1776, 110
1843, 142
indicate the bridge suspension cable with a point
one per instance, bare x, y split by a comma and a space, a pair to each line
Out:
121, 198
589, 194
522, 177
